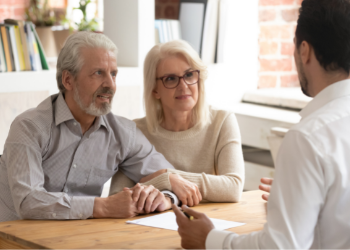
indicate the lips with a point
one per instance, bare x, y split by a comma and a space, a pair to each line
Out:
183, 97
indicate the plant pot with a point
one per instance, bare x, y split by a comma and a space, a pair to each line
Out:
60, 38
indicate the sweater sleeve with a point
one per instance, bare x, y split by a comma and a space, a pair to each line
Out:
227, 184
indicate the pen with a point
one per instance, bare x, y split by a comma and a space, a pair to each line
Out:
188, 216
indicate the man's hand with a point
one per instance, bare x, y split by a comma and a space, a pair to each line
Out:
266, 187
193, 232
120, 205
149, 199
187, 192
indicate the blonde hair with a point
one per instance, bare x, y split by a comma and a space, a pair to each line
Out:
153, 106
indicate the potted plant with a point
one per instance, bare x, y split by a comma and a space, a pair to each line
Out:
84, 24
43, 17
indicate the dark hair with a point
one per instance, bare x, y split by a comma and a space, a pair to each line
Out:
325, 25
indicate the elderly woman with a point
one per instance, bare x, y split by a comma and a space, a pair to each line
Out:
202, 143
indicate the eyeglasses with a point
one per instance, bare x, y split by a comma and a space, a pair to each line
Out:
172, 81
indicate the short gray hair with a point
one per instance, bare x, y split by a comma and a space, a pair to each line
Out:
70, 56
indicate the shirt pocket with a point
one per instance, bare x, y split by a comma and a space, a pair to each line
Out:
97, 178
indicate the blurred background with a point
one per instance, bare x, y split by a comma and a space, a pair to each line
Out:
247, 45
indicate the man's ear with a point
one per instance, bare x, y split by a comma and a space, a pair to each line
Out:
305, 51
67, 80
156, 94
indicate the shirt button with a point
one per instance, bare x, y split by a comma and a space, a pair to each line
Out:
80, 215
74, 165
74, 123
54, 215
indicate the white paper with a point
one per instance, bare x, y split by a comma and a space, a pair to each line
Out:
168, 221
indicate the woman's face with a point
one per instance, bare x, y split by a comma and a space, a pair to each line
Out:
182, 98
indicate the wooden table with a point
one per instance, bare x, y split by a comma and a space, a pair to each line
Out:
115, 233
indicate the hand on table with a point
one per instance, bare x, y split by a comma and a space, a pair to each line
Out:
149, 199
120, 205
187, 192
266, 187
193, 232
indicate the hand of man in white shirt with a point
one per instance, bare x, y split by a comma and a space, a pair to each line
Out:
267, 182
193, 232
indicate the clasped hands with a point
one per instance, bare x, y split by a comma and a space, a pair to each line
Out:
143, 199
140, 199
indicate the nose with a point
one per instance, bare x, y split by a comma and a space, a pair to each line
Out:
182, 83
109, 82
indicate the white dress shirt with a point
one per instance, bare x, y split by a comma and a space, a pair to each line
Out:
309, 205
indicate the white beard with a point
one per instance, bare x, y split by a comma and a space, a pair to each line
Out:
92, 109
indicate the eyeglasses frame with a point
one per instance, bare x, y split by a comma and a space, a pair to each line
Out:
162, 78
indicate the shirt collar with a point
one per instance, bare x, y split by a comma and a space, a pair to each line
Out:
330, 93
64, 114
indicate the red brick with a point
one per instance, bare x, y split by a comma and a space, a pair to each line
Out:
276, 32
267, 15
275, 65
19, 11
287, 49
268, 48
290, 15
267, 82
170, 12
14, 2
275, 2
290, 81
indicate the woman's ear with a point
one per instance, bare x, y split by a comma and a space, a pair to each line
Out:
155, 93
67, 80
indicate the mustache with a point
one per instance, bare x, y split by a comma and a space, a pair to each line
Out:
104, 90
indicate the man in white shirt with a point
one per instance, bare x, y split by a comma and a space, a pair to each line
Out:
309, 204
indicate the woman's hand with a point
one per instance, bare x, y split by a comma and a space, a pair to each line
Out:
187, 192
266, 187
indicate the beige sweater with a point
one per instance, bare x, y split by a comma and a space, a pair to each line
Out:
210, 157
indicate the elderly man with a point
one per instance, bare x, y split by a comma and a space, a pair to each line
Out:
58, 156
310, 196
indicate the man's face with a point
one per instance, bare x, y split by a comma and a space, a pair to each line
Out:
94, 86
301, 73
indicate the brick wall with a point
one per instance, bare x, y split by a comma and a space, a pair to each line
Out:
277, 21
167, 9
12, 9
15, 9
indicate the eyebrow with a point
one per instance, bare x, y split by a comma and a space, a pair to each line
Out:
175, 74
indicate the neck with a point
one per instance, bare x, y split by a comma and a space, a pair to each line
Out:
325, 78
85, 120
177, 121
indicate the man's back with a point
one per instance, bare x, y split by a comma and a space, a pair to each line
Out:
313, 170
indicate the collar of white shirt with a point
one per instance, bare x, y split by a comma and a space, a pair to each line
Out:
332, 92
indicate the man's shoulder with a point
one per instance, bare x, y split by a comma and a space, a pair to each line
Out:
335, 112
119, 123
40, 116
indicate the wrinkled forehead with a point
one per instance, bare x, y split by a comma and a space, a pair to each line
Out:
98, 57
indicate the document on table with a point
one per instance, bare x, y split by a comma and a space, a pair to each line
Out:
168, 221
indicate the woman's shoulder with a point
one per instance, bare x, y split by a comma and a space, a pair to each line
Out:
220, 115
141, 123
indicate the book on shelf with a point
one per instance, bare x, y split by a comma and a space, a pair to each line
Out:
20, 47
191, 17
210, 32
167, 30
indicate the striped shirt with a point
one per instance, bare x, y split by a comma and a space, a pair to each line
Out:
51, 170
